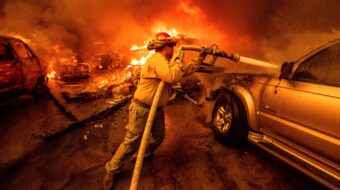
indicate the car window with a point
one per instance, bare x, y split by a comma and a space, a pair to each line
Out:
20, 49
333, 77
315, 68
5, 52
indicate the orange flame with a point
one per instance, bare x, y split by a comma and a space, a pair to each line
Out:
51, 75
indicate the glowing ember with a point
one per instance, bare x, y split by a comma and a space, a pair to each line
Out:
51, 75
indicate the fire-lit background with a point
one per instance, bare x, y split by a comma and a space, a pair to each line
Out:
265, 29
61, 137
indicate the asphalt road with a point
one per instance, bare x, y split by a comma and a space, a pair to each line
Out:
189, 158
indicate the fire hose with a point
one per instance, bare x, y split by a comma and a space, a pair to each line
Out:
213, 50
145, 139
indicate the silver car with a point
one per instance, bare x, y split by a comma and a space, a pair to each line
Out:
294, 116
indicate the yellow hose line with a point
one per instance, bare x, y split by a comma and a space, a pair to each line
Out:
145, 138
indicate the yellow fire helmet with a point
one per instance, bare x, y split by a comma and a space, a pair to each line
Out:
161, 39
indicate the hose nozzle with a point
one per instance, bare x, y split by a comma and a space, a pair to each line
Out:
211, 51
234, 56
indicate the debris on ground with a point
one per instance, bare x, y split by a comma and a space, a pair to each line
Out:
98, 126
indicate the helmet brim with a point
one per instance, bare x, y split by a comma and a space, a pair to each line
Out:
154, 45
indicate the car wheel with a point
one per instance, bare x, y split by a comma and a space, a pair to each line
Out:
228, 120
40, 89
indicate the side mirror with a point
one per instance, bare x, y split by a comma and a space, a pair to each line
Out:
286, 70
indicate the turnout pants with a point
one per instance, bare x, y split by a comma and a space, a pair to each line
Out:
137, 119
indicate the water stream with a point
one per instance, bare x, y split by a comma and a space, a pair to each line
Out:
259, 63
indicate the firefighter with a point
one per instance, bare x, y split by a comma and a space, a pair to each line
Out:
156, 69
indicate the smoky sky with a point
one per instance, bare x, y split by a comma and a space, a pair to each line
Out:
254, 27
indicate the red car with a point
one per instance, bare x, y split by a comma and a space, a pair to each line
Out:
20, 70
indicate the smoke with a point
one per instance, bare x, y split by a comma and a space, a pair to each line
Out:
299, 27
275, 30
271, 30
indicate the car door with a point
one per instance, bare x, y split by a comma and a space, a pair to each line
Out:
30, 68
304, 112
10, 76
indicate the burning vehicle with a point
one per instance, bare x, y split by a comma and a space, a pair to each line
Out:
20, 70
68, 66
119, 60
108, 61
292, 116
102, 61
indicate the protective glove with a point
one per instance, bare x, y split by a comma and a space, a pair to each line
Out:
200, 59
178, 55
188, 68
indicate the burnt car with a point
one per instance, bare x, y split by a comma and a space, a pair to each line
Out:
70, 66
102, 61
105, 61
294, 116
20, 70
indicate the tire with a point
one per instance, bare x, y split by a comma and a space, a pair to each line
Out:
229, 122
40, 89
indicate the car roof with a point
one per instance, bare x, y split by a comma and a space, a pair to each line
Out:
313, 52
6, 38
328, 44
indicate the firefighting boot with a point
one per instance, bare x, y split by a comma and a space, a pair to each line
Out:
108, 181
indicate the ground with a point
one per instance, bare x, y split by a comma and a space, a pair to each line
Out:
189, 158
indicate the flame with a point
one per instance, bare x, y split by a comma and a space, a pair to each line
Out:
128, 74
51, 75
103, 83
136, 47
142, 60
173, 33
